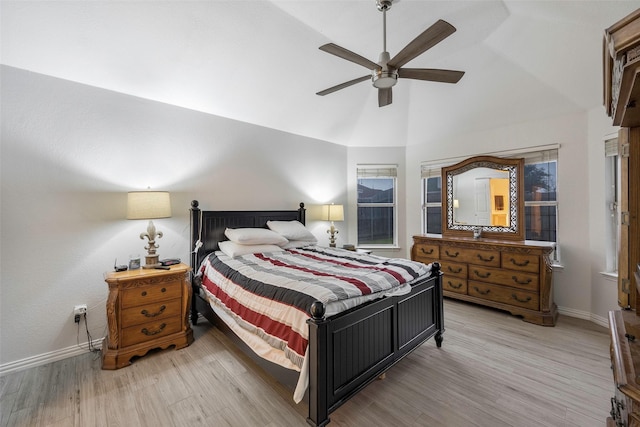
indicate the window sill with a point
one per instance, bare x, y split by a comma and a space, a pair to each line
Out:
610, 276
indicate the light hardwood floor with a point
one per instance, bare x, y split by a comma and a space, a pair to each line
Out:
492, 370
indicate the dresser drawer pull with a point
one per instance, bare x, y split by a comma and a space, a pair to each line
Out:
521, 282
429, 252
515, 297
147, 314
163, 290
480, 275
451, 255
451, 285
519, 264
150, 333
482, 292
483, 259
451, 270
144, 293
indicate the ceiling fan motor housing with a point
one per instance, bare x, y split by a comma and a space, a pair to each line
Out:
384, 77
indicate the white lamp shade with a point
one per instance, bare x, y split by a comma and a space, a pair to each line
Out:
148, 205
332, 212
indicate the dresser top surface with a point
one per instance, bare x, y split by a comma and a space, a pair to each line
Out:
530, 243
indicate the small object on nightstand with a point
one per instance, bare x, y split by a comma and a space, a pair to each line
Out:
349, 247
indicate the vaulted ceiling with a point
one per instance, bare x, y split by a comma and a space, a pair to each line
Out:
259, 62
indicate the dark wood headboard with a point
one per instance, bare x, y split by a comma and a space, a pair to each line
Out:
207, 227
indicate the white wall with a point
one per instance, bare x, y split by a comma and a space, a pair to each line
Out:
69, 155
578, 289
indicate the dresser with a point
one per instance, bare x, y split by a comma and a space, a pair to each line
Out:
146, 309
514, 276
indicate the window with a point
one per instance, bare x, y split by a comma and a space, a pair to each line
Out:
612, 197
377, 215
540, 195
540, 198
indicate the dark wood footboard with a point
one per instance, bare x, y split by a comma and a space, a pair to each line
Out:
350, 350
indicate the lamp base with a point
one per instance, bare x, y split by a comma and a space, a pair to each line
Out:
151, 261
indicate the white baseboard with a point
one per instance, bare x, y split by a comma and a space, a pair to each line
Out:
44, 358
598, 320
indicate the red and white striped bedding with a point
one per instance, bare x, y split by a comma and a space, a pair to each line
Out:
269, 295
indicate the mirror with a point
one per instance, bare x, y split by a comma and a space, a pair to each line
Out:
481, 196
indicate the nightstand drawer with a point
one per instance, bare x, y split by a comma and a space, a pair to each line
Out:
147, 294
150, 331
148, 312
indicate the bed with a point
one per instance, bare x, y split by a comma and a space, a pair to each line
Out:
345, 351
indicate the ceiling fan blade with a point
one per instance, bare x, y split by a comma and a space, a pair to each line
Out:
429, 38
431, 74
343, 85
384, 97
343, 53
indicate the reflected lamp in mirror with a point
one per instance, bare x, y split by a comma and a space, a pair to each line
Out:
332, 213
149, 205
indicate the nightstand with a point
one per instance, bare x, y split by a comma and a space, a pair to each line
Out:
146, 309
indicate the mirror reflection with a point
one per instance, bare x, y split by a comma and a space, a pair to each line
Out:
481, 197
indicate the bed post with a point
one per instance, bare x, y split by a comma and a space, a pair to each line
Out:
195, 238
318, 387
302, 215
435, 270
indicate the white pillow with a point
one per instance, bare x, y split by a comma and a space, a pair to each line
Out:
254, 236
234, 249
297, 244
292, 230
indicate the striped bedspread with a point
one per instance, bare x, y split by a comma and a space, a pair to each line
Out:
270, 294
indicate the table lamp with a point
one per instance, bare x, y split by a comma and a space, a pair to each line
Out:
149, 205
332, 213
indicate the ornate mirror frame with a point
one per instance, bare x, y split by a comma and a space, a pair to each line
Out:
516, 227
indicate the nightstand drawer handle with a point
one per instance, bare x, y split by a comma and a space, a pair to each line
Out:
519, 264
481, 258
451, 270
451, 255
480, 275
149, 333
521, 282
451, 285
515, 297
429, 252
147, 314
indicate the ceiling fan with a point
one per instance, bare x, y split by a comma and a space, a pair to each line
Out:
384, 74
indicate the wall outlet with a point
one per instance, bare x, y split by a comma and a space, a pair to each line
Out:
78, 311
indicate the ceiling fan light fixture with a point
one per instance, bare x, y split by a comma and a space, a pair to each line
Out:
384, 79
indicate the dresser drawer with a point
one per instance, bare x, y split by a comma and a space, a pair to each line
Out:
504, 295
471, 256
522, 262
516, 279
150, 331
426, 252
454, 269
154, 311
454, 284
147, 294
